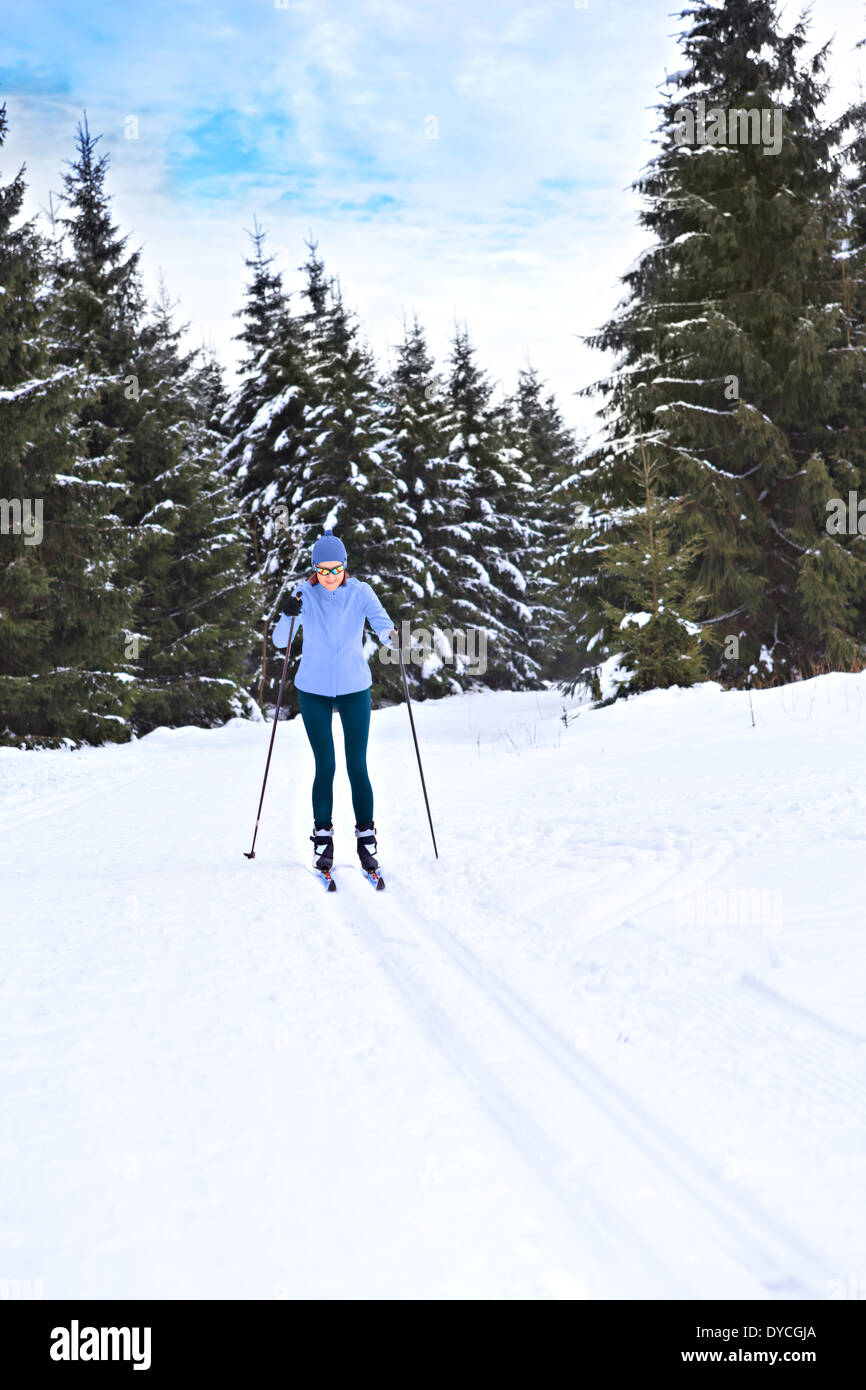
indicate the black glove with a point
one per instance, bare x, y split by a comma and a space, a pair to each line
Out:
292, 605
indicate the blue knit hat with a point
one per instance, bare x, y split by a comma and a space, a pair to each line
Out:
327, 548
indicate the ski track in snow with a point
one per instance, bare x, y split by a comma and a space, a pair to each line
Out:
523, 1071
693, 1197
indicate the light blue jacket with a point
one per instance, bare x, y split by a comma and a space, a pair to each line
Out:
333, 660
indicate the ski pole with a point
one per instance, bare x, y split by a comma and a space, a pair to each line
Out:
252, 853
414, 735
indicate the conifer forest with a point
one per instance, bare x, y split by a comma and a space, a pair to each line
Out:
710, 526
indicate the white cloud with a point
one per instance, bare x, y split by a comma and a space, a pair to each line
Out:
483, 227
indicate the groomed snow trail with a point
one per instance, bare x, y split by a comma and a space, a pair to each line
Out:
611, 1045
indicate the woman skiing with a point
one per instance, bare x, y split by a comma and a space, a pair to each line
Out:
333, 671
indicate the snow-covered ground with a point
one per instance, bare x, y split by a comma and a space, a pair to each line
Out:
611, 1045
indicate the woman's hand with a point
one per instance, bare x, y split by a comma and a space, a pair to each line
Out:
292, 606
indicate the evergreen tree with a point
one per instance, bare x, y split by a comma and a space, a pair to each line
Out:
265, 424
100, 314
852, 264
97, 324
659, 639
194, 613
418, 412
60, 609
491, 585
734, 364
547, 450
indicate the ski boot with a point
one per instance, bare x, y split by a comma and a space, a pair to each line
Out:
366, 838
323, 847
323, 854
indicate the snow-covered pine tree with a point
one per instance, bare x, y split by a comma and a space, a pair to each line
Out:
350, 473
418, 412
236, 598
265, 429
25, 592
98, 324
101, 311
733, 360
61, 612
548, 451
658, 637
194, 612
852, 265
490, 579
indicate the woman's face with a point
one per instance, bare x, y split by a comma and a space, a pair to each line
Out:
329, 580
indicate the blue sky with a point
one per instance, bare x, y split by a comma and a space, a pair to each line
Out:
467, 161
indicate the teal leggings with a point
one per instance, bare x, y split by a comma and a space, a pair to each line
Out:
317, 712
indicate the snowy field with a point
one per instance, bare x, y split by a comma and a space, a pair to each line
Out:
611, 1045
